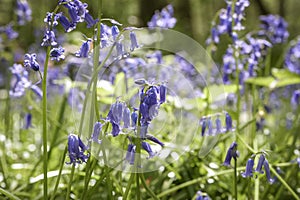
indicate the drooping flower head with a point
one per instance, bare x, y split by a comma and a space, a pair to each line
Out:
292, 58
84, 50
249, 168
275, 28
76, 150
231, 153
31, 62
23, 12
57, 53
163, 19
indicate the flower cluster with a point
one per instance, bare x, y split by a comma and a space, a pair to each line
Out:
275, 28
21, 82
77, 149
23, 12
9, 32
292, 58
207, 127
163, 19
230, 21
231, 153
262, 162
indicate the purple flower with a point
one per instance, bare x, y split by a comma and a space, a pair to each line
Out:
203, 124
27, 119
48, 19
163, 19
292, 58
134, 117
268, 173
200, 196
209, 126
155, 140
134, 43
275, 28
96, 132
218, 125
249, 168
260, 164
31, 62
130, 155
9, 31
84, 50
114, 31
228, 122
49, 39
146, 146
76, 150
231, 153
57, 53
64, 21
23, 12
126, 117
90, 22
162, 94
295, 100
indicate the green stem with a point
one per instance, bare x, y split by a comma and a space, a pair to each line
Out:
59, 173
284, 183
128, 186
235, 179
147, 188
197, 180
45, 136
8, 194
70, 182
138, 193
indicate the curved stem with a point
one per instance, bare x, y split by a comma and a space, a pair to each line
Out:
147, 188
45, 136
128, 186
8, 194
70, 182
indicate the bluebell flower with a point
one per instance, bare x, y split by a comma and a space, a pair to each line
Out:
64, 21
231, 153
96, 132
37, 91
292, 58
20, 81
31, 62
154, 139
49, 39
295, 100
84, 50
114, 31
51, 19
218, 125
163, 19
203, 128
126, 117
260, 164
146, 146
249, 168
209, 126
228, 122
134, 117
134, 43
130, 154
275, 28
9, 31
157, 55
57, 53
162, 93
76, 149
90, 21
200, 196
28, 121
120, 50
268, 173
23, 12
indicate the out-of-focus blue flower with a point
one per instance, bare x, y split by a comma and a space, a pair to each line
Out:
260, 164
9, 31
157, 55
155, 140
49, 39
31, 62
268, 173
218, 125
295, 100
228, 122
130, 155
37, 91
134, 117
162, 93
90, 21
146, 146
275, 28
292, 58
134, 43
203, 124
27, 119
84, 50
209, 126
23, 12
200, 196
57, 53
115, 31
76, 149
96, 132
163, 19
249, 168
231, 153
